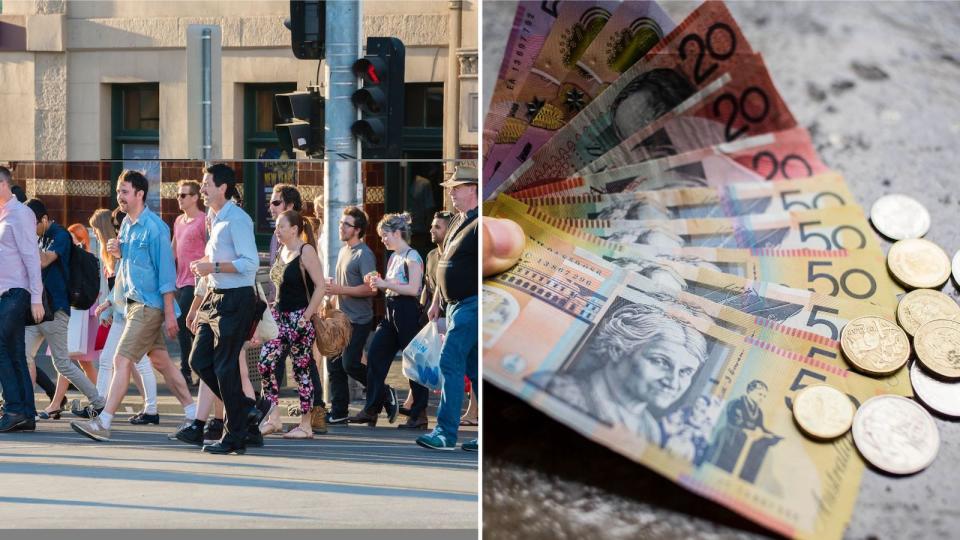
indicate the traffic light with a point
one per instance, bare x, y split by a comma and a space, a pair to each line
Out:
380, 100
307, 25
303, 121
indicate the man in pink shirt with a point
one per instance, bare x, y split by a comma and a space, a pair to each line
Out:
20, 287
189, 241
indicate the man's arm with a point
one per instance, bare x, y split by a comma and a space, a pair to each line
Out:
25, 235
245, 245
47, 258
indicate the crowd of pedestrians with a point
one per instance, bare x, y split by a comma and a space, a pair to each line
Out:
197, 285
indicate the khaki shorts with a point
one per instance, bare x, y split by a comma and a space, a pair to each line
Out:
143, 333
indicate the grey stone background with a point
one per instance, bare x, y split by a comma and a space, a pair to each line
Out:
877, 84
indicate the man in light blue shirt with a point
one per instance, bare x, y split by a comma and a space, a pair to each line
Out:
226, 314
144, 291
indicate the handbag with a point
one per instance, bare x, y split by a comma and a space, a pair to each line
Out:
48, 312
78, 331
267, 327
332, 326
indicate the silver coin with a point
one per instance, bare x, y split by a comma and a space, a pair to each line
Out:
896, 434
955, 266
899, 217
943, 397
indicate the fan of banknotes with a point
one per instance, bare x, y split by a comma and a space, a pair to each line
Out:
699, 292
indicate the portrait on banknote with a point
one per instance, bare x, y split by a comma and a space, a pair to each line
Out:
637, 367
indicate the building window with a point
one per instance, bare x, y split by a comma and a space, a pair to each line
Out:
473, 112
424, 105
273, 165
136, 134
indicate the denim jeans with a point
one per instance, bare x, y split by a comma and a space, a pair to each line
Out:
184, 296
393, 334
348, 363
14, 375
458, 357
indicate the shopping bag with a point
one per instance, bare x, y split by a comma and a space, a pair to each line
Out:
78, 331
421, 358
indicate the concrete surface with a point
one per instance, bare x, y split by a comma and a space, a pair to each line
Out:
352, 477
877, 85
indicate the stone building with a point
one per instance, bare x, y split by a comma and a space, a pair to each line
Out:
90, 86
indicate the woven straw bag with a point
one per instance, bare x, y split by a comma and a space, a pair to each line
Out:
332, 325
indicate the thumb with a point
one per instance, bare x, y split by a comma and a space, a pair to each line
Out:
503, 242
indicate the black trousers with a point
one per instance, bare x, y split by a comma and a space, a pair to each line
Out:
393, 334
222, 325
184, 297
348, 363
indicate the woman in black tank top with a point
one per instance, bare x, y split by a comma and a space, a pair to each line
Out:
298, 276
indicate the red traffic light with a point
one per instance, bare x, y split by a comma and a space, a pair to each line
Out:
372, 70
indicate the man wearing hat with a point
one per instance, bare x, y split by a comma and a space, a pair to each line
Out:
457, 285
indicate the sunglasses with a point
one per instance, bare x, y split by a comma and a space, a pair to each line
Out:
276, 202
345, 224
184, 195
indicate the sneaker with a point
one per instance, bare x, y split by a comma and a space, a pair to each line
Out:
318, 420
393, 405
470, 446
192, 434
86, 412
437, 440
93, 429
337, 419
182, 425
213, 431
143, 418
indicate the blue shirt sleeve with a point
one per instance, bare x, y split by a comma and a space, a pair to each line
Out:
163, 254
60, 245
244, 244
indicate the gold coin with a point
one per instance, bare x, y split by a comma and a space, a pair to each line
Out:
918, 263
823, 412
921, 306
938, 347
874, 345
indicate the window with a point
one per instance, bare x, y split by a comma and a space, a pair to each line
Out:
136, 134
424, 105
260, 143
473, 112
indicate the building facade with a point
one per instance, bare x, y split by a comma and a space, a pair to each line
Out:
90, 87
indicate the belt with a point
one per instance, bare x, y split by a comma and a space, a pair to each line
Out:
222, 291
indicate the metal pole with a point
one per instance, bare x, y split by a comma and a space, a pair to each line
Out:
341, 175
206, 103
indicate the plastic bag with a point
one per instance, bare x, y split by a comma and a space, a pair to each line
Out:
421, 358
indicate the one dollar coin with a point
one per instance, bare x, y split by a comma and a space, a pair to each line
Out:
823, 412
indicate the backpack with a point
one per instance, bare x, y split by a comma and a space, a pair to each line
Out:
83, 281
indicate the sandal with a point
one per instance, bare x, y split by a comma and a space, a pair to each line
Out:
298, 433
468, 422
269, 428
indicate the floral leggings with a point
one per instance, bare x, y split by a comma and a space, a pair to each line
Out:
296, 339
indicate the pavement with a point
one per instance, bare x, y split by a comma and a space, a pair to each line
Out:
877, 85
352, 477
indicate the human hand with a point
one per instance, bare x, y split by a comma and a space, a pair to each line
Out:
503, 243
434, 312
192, 321
201, 268
113, 247
105, 305
37, 311
170, 325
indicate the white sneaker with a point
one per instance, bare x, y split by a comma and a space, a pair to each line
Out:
93, 429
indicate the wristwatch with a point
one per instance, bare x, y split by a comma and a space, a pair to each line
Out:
216, 268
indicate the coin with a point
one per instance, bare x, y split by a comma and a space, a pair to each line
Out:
918, 263
956, 266
895, 434
938, 347
899, 217
922, 306
943, 397
874, 345
823, 412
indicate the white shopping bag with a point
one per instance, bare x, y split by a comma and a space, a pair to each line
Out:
78, 331
421, 358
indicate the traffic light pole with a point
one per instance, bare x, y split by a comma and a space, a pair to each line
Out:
341, 176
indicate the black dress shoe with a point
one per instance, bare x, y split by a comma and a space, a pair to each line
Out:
253, 438
419, 422
363, 417
144, 418
10, 422
225, 446
404, 411
192, 434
